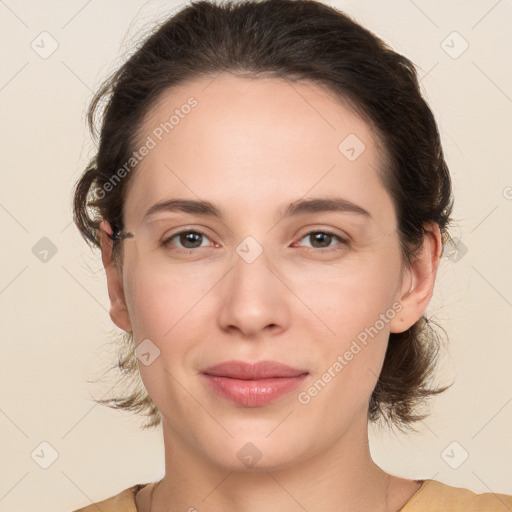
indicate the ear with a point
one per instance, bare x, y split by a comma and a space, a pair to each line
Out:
418, 282
118, 311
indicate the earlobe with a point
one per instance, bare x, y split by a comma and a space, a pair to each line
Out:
118, 310
418, 283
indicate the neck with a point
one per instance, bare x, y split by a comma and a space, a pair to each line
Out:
343, 478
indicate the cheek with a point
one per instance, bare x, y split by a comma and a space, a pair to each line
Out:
169, 311
347, 361
166, 305
354, 307
347, 298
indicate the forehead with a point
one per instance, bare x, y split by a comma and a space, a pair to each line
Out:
246, 142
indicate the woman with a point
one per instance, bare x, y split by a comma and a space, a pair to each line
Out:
271, 203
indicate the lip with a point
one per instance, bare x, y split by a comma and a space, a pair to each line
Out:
255, 371
253, 385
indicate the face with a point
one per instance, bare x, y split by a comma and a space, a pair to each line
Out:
273, 276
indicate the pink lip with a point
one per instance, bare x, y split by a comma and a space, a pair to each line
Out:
253, 385
259, 370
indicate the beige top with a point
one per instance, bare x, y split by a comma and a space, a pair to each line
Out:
432, 496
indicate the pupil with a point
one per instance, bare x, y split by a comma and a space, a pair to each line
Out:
321, 237
189, 237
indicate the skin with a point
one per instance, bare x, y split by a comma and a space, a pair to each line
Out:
252, 147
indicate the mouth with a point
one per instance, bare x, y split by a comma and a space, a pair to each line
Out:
253, 385
253, 371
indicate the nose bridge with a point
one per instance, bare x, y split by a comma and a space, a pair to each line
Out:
253, 297
251, 264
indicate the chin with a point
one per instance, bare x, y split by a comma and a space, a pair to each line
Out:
255, 454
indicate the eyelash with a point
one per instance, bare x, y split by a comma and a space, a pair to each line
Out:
344, 242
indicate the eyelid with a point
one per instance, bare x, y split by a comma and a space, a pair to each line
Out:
344, 239
318, 228
186, 229
166, 239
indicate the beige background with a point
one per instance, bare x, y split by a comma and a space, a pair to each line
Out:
54, 315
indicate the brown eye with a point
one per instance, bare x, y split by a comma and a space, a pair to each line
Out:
324, 239
321, 239
186, 240
191, 238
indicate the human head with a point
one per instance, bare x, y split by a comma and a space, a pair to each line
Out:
271, 39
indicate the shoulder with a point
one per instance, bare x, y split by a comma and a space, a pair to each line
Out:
434, 496
122, 502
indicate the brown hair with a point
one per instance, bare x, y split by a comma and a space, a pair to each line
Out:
294, 40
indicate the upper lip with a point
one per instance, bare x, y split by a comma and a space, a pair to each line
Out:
247, 371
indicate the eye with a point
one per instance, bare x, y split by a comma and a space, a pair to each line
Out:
322, 240
189, 240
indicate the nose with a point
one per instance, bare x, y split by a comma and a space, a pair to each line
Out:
254, 299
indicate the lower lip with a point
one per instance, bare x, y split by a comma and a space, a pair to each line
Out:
253, 393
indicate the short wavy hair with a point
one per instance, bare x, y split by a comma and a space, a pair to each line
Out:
293, 40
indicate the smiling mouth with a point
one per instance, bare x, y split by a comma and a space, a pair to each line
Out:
253, 392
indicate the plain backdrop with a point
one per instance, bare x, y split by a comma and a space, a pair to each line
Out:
54, 305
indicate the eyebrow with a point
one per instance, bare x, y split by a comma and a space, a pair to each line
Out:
300, 207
